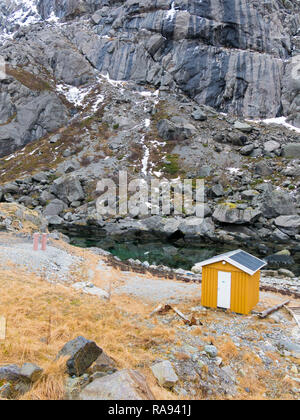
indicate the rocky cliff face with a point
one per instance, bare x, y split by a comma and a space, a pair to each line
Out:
233, 55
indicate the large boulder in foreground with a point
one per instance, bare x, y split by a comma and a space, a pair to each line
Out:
126, 384
82, 354
229, 213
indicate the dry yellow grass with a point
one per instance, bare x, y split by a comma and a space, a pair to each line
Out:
42, 317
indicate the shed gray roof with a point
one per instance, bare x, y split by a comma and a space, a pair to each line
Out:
240, 259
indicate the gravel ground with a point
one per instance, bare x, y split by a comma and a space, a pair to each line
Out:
54, 262
157, 290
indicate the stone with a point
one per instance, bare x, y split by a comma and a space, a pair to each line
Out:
54, 208
262, 169
165, 374
192, 227
104, 363
204, 171
229, 213
199, 115
277, 203
271, 145
54, 220
291, 150
283, 252
82, 354
31, 371
212, 351
249, 194
247, 150
126, 384
176, 129
68, 188
245, 128
40, 177
286, 273
55, 138
217, 190
12, 373
288, 224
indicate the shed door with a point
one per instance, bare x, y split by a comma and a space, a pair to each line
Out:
224, 289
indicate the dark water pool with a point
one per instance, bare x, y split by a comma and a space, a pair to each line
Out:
172, 255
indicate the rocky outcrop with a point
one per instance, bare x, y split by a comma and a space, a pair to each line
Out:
235, 56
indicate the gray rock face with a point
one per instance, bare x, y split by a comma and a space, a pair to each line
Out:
123, 385
82, 354
233, 55
35, 115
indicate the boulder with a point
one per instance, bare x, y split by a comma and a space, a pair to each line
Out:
262, 169
195, 226
199, 115
247, 150
204, 171
67, 188
212, 351
165, 374
288, 224
82, 353
55, 208
271, 145
176, 129
286, 273
249, 194
217, 190
31, 371
12, 373
126, 384
291, 150
245, 128
229, 213
276, 203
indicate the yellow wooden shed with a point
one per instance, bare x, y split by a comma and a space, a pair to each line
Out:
231, 281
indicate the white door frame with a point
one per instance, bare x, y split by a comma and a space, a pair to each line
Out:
224, 289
